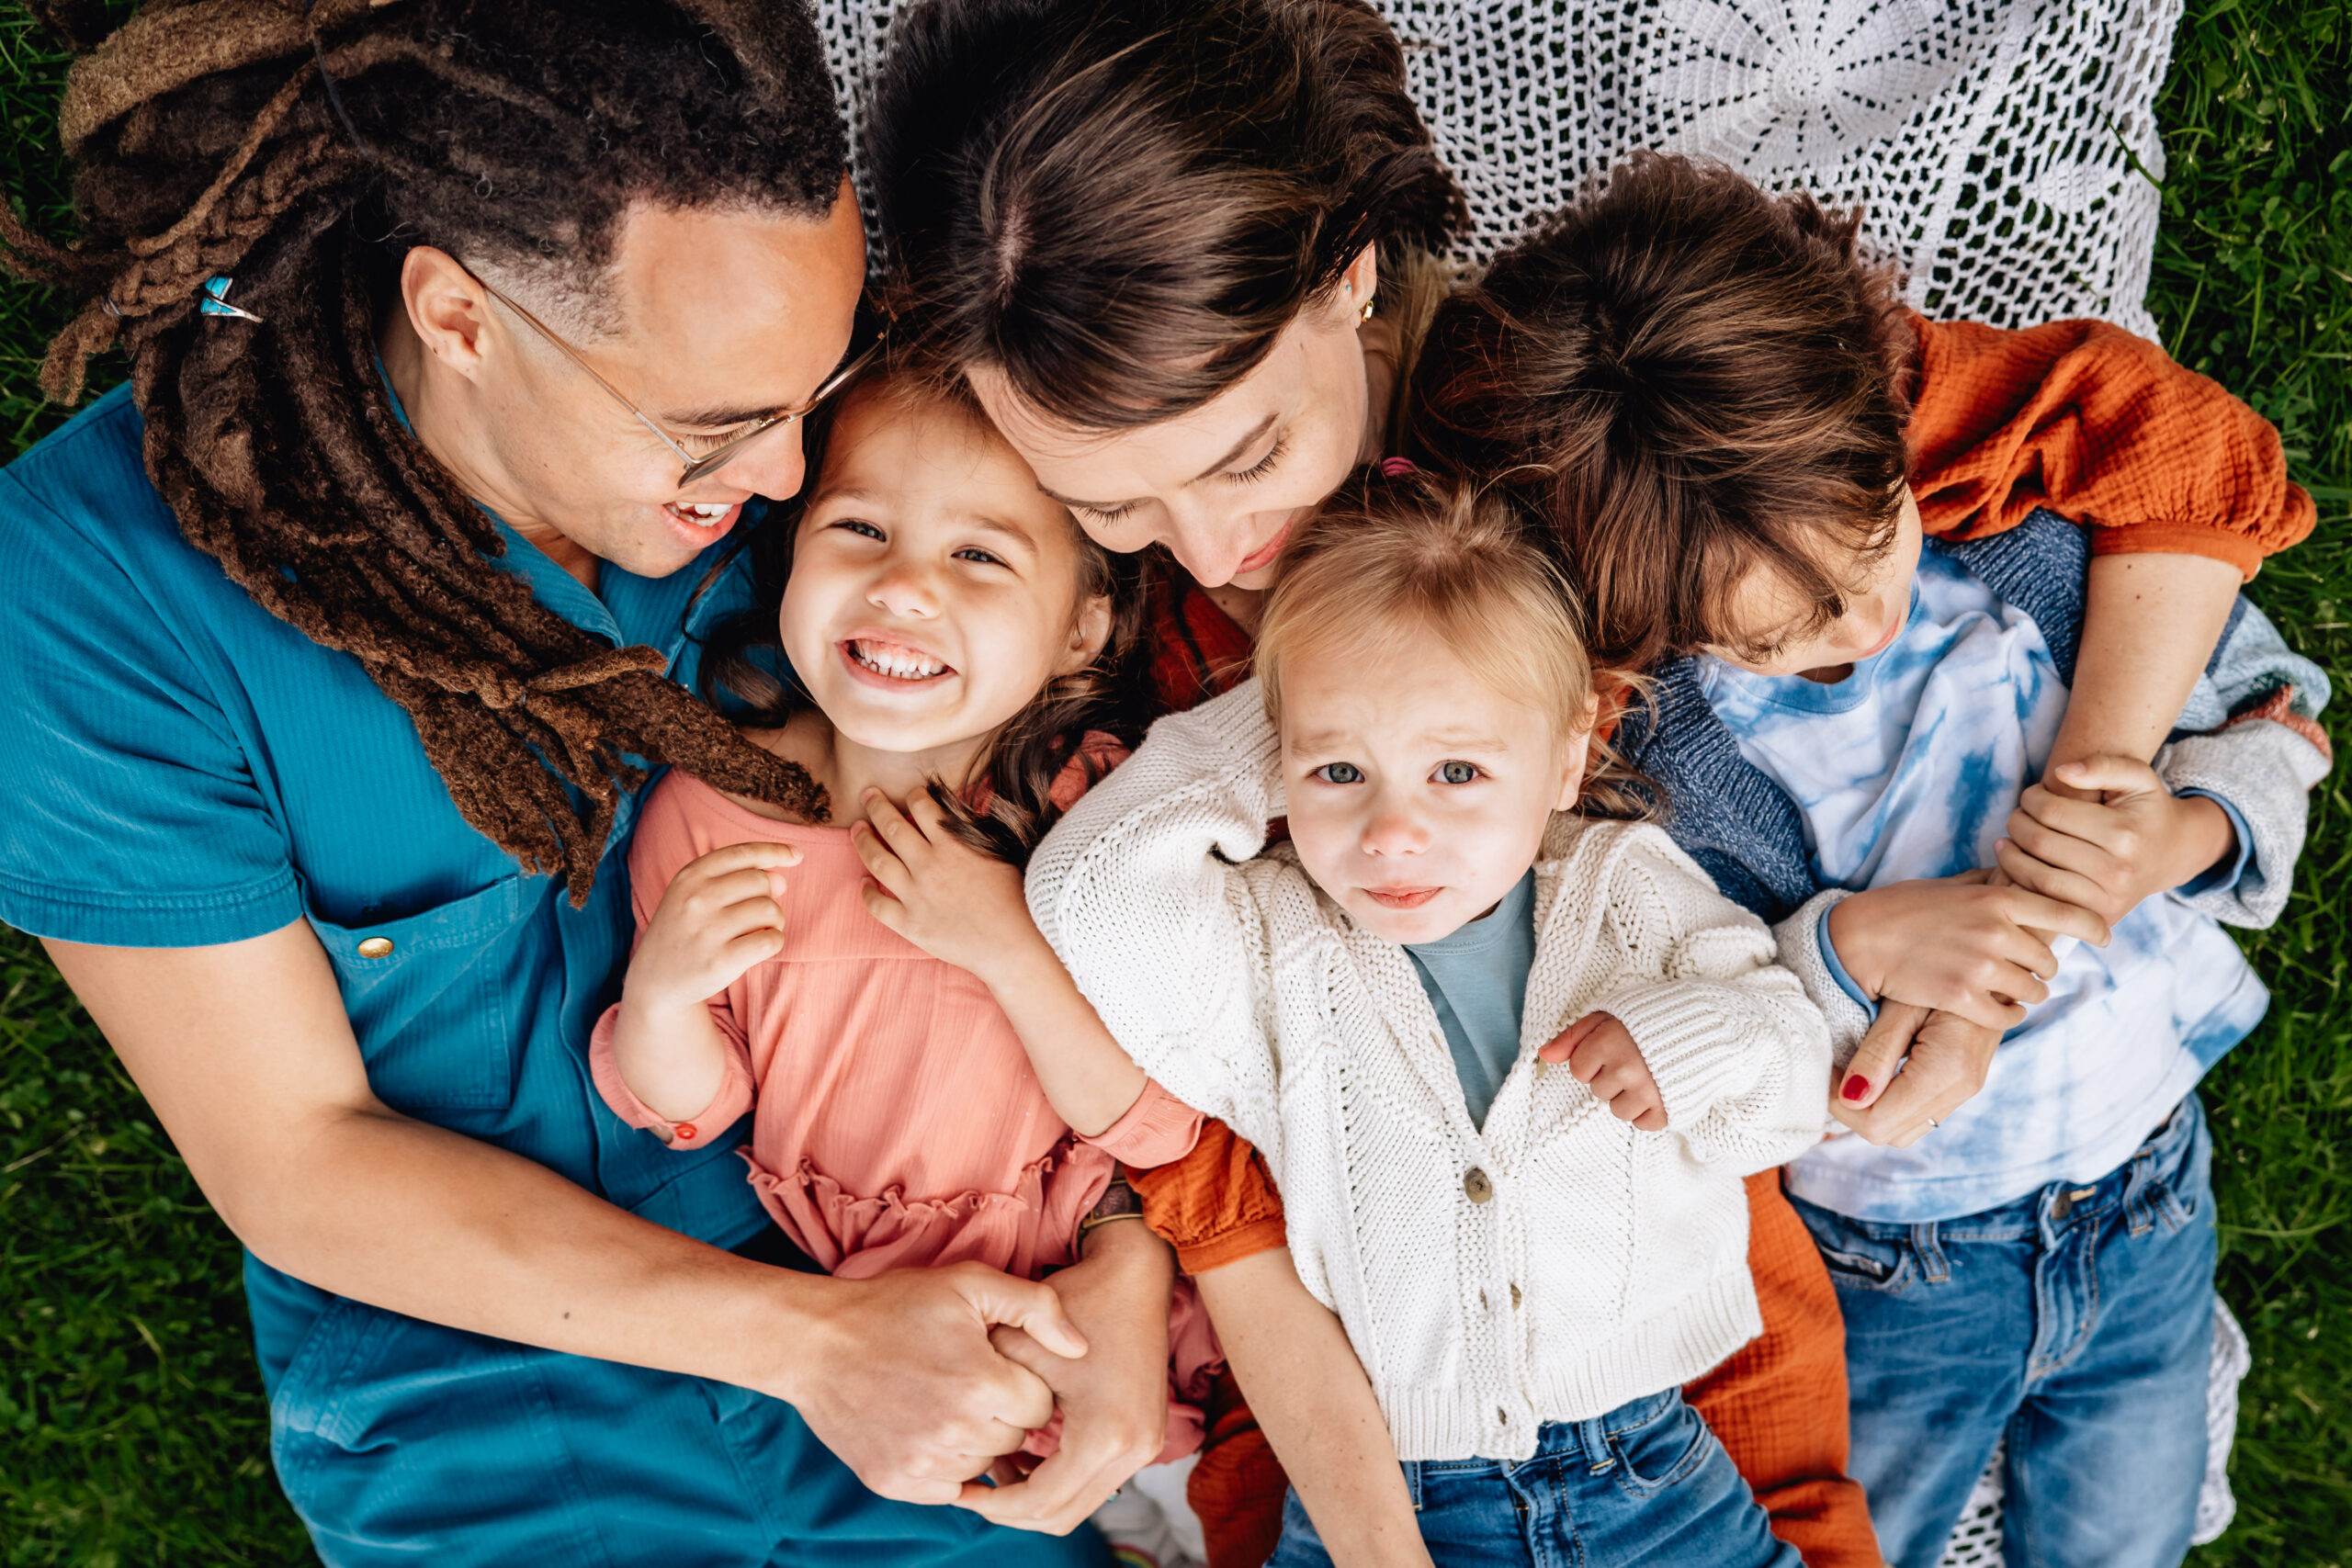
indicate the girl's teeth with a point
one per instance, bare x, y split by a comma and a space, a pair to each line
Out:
905, 665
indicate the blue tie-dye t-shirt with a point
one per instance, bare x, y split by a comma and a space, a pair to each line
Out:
1909, 768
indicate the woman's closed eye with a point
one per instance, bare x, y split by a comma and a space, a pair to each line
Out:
1339, 774
1263, 466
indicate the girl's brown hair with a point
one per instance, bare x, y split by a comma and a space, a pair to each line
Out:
1121, 207
300, 148
1695, 385
746, 670
1398, 551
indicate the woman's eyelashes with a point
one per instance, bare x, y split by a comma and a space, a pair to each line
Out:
1263, 466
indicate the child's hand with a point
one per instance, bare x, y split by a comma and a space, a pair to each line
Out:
1601, 1053
958, 904
1957, 943
2107, 854
717, 918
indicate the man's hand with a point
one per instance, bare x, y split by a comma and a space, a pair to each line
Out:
1949, 1058
1601, 1053
2105, 855
1113, 1400
1957, 944
905, 1386
719, 917
938, 892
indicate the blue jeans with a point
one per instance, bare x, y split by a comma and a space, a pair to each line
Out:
2077, 1323
1647, 1483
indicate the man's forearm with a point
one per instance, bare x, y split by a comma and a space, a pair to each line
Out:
464, 1233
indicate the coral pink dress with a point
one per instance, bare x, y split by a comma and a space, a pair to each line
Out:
895, 1119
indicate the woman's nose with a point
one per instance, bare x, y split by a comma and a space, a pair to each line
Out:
1207, 545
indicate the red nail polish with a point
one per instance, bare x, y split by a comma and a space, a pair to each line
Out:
1855, 1087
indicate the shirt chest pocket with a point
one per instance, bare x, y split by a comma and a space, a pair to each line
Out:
437, 999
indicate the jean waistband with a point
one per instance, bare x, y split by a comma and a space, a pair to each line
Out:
1586, 1440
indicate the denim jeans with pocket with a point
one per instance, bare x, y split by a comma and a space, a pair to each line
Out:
2075, 1322
1646, 1484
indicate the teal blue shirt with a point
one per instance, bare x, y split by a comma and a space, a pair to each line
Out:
181, 768
1476, 979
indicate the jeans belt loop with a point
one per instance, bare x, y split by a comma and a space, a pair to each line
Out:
1931, 1250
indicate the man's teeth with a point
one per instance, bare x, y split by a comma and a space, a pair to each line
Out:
904, 663
704, 514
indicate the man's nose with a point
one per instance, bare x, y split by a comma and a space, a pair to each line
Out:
771, 465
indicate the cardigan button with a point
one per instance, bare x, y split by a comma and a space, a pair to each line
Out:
1475, 1184
1514, 1295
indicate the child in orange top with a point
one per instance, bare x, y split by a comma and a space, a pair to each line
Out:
953, 641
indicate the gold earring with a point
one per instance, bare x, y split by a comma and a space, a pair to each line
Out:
1367, 309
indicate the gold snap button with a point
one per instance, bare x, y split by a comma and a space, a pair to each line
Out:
375, 947
1476, 1185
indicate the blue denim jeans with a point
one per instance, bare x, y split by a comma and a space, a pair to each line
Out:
1647, 1483
2077, 1323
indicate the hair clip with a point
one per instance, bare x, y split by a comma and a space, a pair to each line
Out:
216, 302
1398, 468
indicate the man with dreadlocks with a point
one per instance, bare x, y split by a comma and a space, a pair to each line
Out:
332, 653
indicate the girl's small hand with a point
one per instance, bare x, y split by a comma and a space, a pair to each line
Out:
1601, 1053
2134, 838
957, 904
717, 918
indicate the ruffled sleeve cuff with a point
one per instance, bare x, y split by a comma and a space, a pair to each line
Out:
1156, 1129
733, 1098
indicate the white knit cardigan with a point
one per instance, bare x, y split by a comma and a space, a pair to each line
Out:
1549, 1268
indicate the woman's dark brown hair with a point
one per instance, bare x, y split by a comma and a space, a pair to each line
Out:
1694, 383
745, 667
1122, 205
302, 147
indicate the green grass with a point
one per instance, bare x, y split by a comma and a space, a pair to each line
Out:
131, 1424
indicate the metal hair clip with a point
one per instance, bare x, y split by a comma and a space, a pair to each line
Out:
216, 302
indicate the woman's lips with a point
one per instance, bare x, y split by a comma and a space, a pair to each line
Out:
1401, 897
1263, 556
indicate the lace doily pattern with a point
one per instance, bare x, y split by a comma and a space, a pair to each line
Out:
2005, 152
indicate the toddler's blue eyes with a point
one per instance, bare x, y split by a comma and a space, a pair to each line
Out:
1340, 774
1455, 773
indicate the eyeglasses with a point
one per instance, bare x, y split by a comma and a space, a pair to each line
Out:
725, 452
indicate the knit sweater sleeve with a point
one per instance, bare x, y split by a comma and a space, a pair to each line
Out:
1740, 1054
1141, 890
2105, 430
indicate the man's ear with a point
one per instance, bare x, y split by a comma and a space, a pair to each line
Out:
1088, 634
448, 308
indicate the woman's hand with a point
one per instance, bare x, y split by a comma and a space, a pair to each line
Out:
1957, 945
1886, 1098
2134, 838
1113, 1400
720, 916
958, 904
1601, 1053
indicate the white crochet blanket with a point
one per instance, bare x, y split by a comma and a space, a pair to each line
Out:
1997, 146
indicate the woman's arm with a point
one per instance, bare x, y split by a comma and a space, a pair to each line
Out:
1310, 1393
2149, 626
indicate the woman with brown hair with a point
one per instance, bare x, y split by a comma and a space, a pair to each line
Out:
1181, 252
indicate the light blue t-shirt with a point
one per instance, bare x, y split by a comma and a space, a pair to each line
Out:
1476, 979
1909, 768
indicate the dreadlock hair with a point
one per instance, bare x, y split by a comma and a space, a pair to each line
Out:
1122, 206
1011, 805
306, 145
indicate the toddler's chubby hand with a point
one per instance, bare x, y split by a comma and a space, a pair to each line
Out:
1957, 943
961, 906
1601, 1053
719, 917
2107, 854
